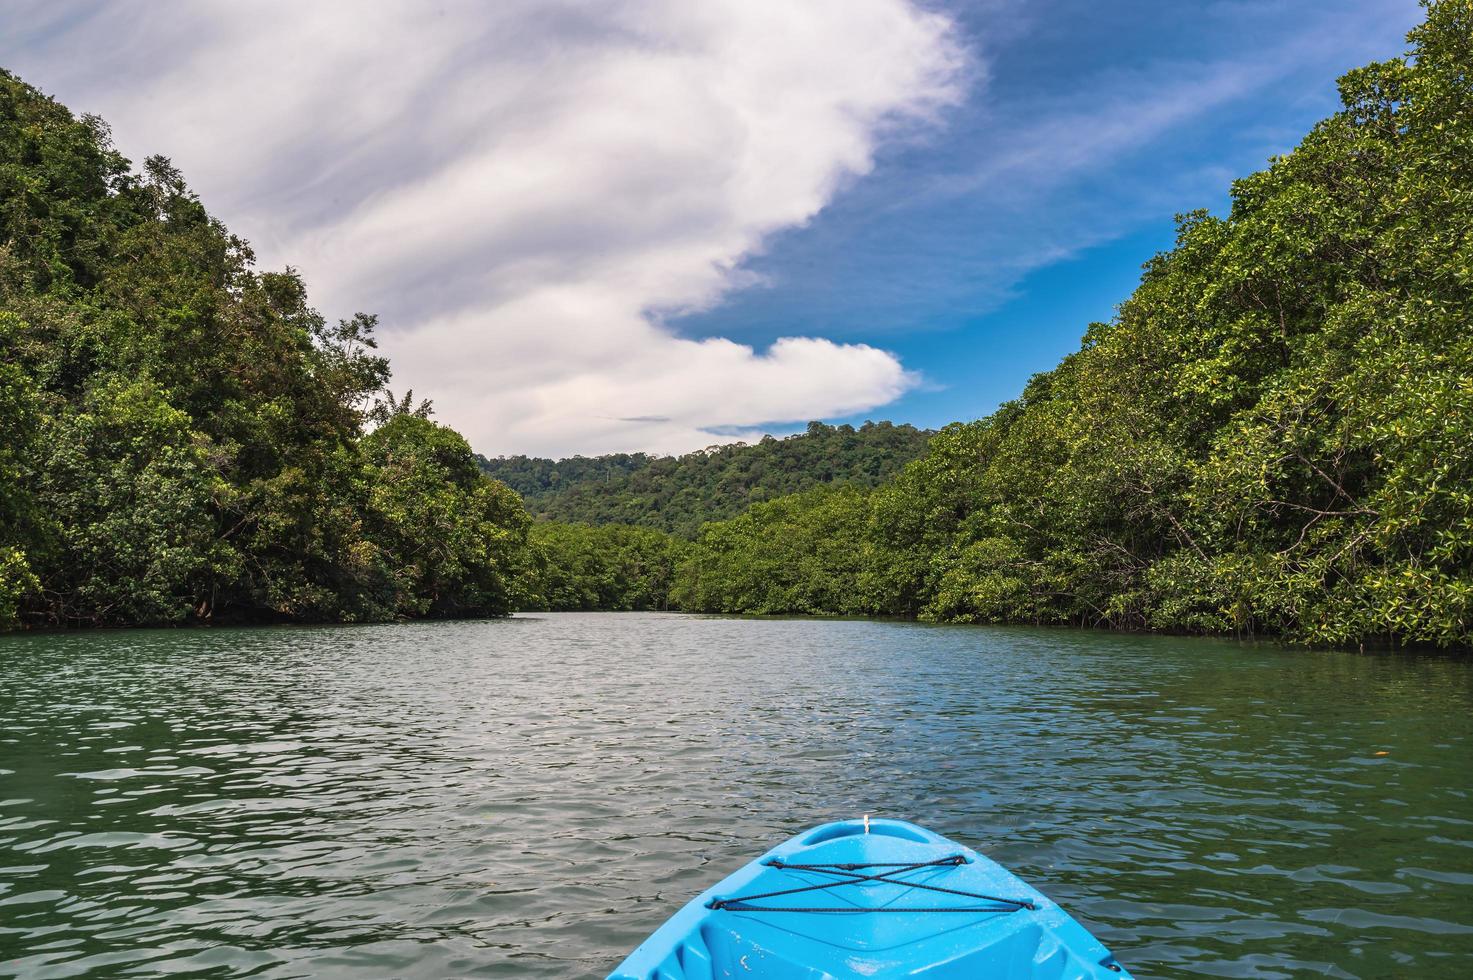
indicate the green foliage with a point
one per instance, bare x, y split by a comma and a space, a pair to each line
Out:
538, 480
444, 540
1272, 435
915, 518
985, 581
798, 554
126, 487
182, 437
19, 424
678, 494
610, 566
16, 581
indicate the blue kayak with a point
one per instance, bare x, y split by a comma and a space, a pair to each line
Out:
873, 899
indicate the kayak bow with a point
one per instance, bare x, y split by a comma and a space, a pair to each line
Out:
873, 899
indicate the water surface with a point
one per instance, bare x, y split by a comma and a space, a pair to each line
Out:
531, 797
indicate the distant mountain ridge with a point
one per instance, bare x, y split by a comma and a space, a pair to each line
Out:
679, 493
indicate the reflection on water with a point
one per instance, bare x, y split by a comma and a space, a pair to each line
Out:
532, 797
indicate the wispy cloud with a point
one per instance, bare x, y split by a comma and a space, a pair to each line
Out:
527, 190
1106, 135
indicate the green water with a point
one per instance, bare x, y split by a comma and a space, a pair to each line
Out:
532, 797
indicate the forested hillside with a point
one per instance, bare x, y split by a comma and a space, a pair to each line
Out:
1275, 434
582, 567
183, 438
678, 494
1272, 436
538, 479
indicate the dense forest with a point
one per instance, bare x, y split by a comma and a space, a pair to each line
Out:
1273, 435
183, 438
582, 567
680, 493
615, 529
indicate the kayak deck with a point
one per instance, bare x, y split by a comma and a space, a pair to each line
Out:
879, 899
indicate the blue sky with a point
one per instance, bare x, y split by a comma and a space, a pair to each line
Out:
979, 286
656, 225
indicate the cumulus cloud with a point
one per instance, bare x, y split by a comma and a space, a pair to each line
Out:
527, 191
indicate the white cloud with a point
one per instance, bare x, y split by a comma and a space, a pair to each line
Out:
524, 190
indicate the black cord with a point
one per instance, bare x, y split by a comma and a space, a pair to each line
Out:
848, 875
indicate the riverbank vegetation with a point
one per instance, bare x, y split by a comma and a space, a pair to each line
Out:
1271, 436
583, 567
183, 438
680, 493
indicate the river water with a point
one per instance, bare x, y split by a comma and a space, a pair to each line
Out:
531, 797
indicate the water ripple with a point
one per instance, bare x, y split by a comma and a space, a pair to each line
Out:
531, 797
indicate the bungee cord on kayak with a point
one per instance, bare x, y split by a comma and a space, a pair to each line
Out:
891, 866
849, 875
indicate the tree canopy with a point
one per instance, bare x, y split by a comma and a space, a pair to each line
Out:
183, 438
1274, 434
679, 493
